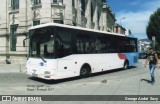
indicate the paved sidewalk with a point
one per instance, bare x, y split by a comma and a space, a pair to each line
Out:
132, 82
11, 68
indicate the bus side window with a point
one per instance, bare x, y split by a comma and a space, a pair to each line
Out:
63, 42
45, 50
97, 46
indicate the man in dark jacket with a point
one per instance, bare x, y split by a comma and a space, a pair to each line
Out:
152, 58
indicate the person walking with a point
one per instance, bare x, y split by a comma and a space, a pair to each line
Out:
152, 58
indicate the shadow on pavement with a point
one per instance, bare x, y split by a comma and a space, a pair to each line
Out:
75, 78
112, 71
53, 81
146, 80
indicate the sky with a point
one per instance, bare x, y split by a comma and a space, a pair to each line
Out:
136, 13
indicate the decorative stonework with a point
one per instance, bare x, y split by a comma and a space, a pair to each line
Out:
36, 14
14, 20
57, 13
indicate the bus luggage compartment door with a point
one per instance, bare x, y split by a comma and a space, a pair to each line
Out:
65, 65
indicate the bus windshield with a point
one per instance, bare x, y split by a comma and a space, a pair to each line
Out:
42, 43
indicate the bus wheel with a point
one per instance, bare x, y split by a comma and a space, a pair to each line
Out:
126, 64
85, 71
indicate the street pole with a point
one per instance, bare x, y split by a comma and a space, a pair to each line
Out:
7, 35
121, 20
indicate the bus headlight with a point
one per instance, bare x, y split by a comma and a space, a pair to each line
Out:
47, 72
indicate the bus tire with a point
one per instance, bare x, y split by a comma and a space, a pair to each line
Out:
85, 71
126, 64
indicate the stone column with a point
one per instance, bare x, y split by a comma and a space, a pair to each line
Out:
104, 18
79, 18
68, 12
95, 19
45, 11
7, 33
88, 14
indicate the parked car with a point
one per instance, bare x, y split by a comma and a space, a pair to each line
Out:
142, 55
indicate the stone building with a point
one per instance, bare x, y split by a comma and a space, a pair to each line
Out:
119, 29
144, 45
108, 18
16, 16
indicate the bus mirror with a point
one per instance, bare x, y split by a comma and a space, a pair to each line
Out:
24, 43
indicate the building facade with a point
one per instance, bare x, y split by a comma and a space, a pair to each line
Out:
119, 29
109, 19
144, 45
128, 33
16, 16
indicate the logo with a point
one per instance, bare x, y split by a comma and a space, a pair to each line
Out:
41, 64
6, 98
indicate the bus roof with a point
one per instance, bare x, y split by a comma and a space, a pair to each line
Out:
74, 27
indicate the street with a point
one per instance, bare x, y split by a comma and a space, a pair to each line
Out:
117, 82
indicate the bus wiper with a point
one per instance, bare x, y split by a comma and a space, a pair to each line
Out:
43, 59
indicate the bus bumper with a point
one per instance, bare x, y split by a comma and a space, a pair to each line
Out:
47, 75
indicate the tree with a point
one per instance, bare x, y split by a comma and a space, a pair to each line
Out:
153, 27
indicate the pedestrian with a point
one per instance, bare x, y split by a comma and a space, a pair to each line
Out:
152, 58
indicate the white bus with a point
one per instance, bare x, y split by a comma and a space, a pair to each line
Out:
58, 51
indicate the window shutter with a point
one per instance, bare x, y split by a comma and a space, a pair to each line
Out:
13, 38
